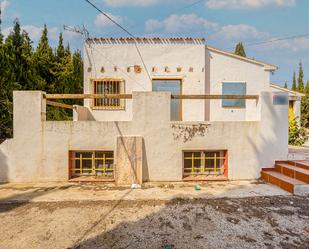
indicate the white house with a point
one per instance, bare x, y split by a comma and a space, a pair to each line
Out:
169, 109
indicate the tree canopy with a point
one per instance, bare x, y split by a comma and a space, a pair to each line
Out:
23, 67
240, 50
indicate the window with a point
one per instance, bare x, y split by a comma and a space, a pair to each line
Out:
92, 163
109, 86
204, 163
173, 86
280, 98
234, 89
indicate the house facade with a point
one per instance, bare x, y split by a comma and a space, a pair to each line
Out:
161, 116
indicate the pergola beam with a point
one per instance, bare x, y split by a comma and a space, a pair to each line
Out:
57, 104
129, 96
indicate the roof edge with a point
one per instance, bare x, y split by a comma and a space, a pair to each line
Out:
268, 67
287, 90
148, 40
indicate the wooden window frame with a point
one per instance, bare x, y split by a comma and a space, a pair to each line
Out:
78, 172
113, 104
204, 175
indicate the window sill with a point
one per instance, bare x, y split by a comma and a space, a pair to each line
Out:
233, 107
205, 178
108, 108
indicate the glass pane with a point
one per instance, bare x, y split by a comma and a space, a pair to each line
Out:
172, 86
234, 89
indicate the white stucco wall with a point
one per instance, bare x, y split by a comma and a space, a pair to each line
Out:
155, 55
210, 69
227, 69
39, 149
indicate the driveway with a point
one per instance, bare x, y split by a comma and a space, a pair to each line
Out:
159, 216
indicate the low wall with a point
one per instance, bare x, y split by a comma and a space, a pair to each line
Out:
39, 150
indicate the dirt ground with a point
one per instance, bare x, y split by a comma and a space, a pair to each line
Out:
251, 222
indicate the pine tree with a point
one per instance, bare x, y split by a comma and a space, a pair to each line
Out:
240, 50
305, 107
22, 68
60, 48
286, 85
300, 86
1, 35
294, 86
45, 62
17, 73
307, 88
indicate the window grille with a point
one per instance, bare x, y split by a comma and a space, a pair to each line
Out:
92, 163
109, 86
204, 163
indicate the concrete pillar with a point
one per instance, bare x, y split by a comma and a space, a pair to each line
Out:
129, 164
29, 111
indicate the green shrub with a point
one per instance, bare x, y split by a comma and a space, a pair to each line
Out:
297, 134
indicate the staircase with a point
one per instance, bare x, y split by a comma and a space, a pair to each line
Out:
292, 176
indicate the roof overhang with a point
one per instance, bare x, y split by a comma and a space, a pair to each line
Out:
291, 92
267, 67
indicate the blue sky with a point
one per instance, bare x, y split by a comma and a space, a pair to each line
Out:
221, 22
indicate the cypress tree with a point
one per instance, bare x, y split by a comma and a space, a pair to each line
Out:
305, 107
286, 85
22, 68
294, 86
60, 48
300, 86
17, 73
45, 62
307, 88
240, 50
1, 35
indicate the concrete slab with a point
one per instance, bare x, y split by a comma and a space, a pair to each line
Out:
56, 192
129, 163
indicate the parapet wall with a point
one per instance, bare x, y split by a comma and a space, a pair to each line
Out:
39, 149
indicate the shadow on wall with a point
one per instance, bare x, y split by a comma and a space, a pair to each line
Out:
270, 142
4, 169
145, 164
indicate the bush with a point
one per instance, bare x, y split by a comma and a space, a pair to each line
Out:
297, 134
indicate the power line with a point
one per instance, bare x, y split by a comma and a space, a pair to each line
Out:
111, 19
170, 13
188, 6
110, 61
125, 30
274, 40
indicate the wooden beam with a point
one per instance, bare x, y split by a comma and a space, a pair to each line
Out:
57, 104
129, 96
88, 96
211, 96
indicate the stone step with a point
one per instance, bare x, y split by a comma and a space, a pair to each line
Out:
304, 164
289, 184
298, 173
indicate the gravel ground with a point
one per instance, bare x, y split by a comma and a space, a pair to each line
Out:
254, 222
